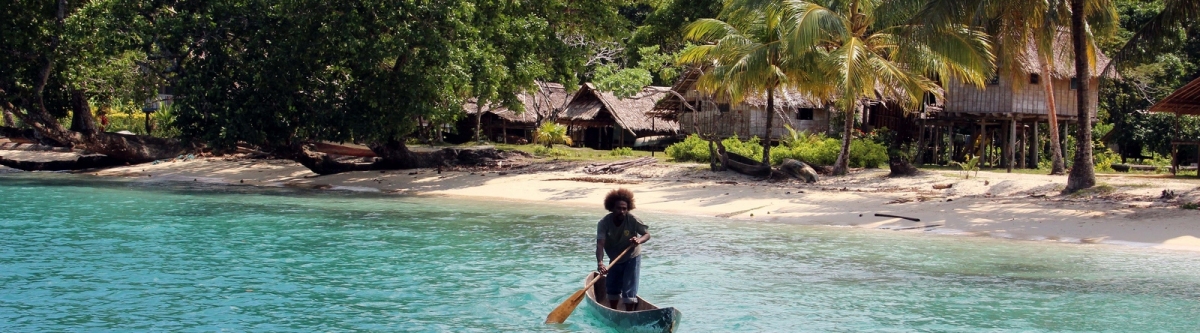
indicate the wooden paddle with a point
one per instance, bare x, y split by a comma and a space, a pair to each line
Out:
560, 314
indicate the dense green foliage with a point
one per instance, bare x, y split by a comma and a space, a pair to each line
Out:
276, 73
1146, 79
814, 149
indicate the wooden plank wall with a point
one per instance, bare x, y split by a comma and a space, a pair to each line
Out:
746, 121
1027, 98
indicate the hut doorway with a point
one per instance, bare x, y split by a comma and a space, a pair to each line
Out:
598, 138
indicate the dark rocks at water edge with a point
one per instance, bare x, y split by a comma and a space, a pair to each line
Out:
53, 160
4, 170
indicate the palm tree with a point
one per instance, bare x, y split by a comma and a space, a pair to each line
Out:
1087, 18
746, 55
874, 50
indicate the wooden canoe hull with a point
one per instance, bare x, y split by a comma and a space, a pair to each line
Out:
646, 318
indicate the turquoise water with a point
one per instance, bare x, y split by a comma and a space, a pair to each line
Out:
81, 254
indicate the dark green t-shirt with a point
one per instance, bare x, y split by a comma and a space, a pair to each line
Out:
616, 238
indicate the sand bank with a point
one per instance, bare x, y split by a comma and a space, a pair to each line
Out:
1127, 210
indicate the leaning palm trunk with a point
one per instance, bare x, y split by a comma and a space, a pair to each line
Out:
1056, 157
1083, 174
842, 166
766, 158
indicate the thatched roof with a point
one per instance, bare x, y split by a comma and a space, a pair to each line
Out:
630, 113
552, 96
1064, 59
789, 98
1185, 100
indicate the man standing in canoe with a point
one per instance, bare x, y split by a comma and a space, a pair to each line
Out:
616, 232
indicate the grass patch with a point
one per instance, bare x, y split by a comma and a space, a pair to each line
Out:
1190, 205
1101, 189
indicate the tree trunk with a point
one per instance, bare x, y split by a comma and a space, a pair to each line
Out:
8, 118
1083, 174
1056, 157
81, 119
842, 166
478, 119
766, 158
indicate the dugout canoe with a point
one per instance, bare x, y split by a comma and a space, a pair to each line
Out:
646, 318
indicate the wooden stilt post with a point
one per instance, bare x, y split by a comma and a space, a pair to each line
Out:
1024, 144
921, 144
1035, 147
1011, 145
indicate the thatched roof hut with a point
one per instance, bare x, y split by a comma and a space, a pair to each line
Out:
502, 124
538, 104
595, 115
1184, 101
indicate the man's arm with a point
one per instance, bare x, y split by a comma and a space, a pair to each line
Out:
641, 239
600, 256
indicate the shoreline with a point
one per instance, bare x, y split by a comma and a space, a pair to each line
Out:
1123, 210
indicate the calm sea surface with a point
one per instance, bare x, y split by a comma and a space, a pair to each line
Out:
81, 254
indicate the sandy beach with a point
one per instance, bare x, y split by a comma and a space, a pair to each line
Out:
1124, 209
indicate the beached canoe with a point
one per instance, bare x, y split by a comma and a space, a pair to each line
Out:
646, 318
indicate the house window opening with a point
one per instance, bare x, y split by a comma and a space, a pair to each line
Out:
804, 114
1035, 79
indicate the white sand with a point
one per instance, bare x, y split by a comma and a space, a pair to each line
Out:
1016, 206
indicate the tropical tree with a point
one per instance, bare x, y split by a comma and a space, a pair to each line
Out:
746, 54
852, 51
60, 57
1083, 173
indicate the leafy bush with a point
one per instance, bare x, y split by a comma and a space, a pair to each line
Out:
691, 149
544, 151
551, 133
816, 149
867, 154
1104, 158
751, 149
621, 151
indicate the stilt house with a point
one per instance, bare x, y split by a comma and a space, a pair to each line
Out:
1005, 114
600, 120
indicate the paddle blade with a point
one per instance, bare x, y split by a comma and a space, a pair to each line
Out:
560, 314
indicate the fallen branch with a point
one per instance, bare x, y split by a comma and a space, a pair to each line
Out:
899, 217
618, 167
597, 180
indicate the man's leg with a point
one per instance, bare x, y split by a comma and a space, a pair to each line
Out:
629, 283
613, 283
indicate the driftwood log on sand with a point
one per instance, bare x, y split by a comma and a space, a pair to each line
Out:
618, 167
